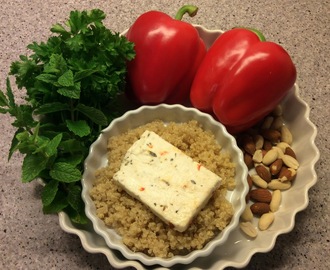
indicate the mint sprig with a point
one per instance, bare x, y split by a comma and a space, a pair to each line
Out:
73, 83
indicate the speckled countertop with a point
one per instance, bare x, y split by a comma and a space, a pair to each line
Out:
31, 240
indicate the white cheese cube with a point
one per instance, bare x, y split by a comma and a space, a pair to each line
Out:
166, 180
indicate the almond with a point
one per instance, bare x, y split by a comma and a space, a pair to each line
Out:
248, 160
277, 184
286, 135
276, 166
277, 123
266, 124
258, 181
249, 145
260, 208
265, 221
272, 135
247, 214
248, 229
249, 180
259, 141
290, 162
267, 145
257, 156
282, 146
289, 151
276, 200
287, 174
270, 157
263, 172
279, 151
261, 195
247, 197
278, 111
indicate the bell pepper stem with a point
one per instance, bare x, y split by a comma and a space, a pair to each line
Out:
256, 31
190, 9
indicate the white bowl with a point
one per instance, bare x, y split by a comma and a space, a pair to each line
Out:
238, 249
97, 158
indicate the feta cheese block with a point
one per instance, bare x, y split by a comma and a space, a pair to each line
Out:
170, 183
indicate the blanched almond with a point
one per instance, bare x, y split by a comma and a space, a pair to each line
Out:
276, 200
282, 146
290, 162
267, 122
259, 141
277, 123
286, 135
265, 221
279, 151
270, 157
248, 229
247, 214
258, 181
257, 156
277, 184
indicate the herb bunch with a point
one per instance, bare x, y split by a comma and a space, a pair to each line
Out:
73, 83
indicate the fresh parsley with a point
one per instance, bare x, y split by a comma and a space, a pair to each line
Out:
73, 83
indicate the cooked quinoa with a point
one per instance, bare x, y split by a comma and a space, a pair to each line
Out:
141, 230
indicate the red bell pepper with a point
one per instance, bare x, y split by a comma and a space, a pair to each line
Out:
168, 53
242, 78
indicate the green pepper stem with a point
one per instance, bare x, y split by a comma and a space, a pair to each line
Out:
256, 31
190, 9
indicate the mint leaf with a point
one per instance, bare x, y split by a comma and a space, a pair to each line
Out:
58, 204
79, 128
55, 64
74, 159
97, 116
74, 197
24, 116
51, 147
47, 78
51, 108
32, 166
66, 79
49, 192
71, 146
78, 217
65, 172
84, 73
70, 92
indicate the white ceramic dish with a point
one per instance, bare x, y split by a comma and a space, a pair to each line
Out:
238, 249
97, 158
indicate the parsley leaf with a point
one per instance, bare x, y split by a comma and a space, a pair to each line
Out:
74, 84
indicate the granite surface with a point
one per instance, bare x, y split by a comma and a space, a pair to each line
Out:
31, 240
